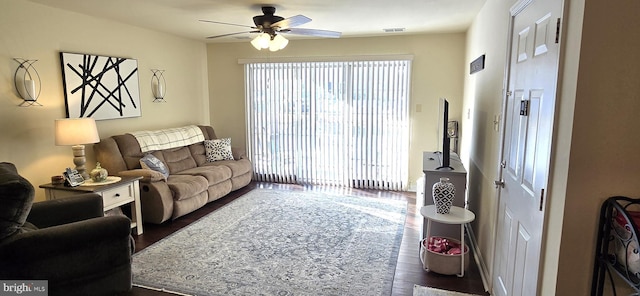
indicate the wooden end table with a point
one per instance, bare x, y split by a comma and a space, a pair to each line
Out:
116, 191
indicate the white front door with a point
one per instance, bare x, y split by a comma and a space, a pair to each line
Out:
528, 129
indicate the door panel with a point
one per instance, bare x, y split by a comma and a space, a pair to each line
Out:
504, 265
522, 250
514, 120
523, 37
542, 37
533, 120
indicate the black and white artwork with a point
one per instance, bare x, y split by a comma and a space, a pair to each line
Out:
100, 87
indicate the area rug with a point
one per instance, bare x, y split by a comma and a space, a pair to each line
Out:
274, 242
428, 291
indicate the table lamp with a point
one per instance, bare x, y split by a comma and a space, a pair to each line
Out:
76, 132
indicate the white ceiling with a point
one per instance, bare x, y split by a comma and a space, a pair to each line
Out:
354, 18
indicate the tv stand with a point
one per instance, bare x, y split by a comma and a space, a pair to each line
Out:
433, 171
439, 155
443, 168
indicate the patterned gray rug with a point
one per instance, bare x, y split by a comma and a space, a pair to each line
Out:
272, 242
428, 291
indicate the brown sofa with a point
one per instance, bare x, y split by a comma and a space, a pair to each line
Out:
192, 180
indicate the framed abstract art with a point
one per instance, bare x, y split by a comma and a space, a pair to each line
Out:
100, 87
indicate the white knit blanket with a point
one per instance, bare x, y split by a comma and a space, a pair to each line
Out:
168, 138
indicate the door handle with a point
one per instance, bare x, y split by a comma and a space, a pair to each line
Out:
499, 183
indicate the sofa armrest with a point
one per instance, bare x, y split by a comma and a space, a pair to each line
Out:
66, 210
238, 153
146, 174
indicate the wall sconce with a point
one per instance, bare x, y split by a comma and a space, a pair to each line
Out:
27, 82
158, 85
76, 132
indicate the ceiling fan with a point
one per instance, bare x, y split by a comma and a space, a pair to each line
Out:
270, 25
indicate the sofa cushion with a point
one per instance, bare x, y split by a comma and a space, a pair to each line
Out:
178, 159
150, 161
213, 174
218, 149
198, 153
186, 186
238, 167
239, 153
110, 158
129, 149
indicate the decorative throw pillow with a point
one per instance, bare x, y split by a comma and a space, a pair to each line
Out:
218, 149
150, 161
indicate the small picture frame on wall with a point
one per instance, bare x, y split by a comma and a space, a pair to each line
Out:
100, 87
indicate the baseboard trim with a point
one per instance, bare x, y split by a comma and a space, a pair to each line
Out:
477, 256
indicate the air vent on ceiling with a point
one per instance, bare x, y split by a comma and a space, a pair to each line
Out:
393, 30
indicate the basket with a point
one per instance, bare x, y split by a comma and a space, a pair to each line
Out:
442, 263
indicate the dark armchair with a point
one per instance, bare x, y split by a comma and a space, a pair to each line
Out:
67, 241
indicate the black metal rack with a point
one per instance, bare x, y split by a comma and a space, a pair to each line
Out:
617, 249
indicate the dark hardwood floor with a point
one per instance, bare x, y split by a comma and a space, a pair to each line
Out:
408, 270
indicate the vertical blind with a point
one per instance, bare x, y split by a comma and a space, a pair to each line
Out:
329, 123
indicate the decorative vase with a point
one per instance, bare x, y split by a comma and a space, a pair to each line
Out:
98, 174
443, 194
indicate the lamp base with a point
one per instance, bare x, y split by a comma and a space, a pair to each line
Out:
80, 160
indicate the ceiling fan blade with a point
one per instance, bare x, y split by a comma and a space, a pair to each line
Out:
231, 34
222, 23
313, 32
293, 21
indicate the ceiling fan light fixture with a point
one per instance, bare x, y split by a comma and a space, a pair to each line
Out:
278, 43
269, 25
262, 41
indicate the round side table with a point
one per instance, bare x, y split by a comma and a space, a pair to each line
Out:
457, 215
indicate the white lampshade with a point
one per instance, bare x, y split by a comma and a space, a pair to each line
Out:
76, 131
278, 43
262, 41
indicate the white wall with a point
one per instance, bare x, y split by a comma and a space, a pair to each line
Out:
482, 102
603, 160
34, 31
438, 68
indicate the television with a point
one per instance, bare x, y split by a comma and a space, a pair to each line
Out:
443, 136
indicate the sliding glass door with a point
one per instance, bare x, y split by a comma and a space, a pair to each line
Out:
332, 123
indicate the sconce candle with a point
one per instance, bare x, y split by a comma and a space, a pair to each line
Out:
30, 87
159, 90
